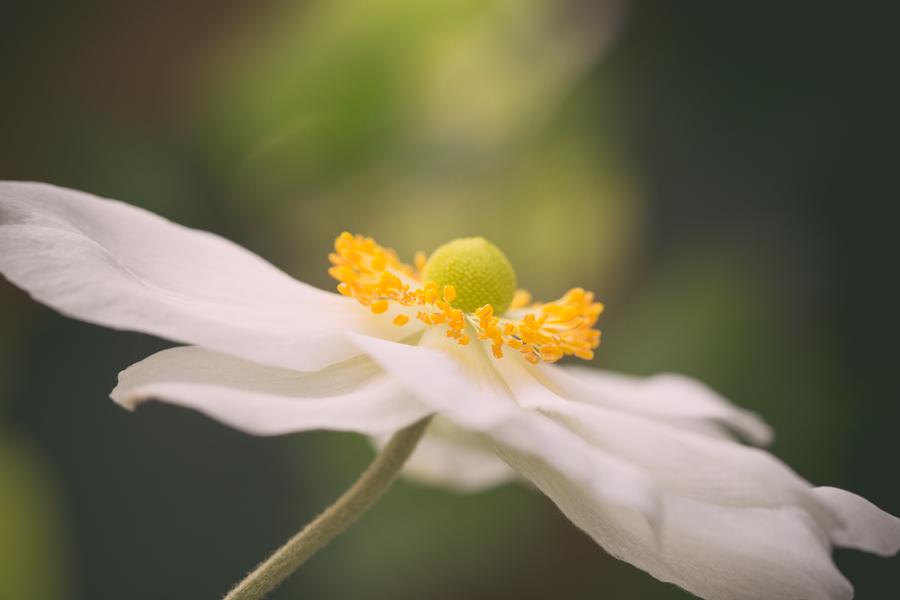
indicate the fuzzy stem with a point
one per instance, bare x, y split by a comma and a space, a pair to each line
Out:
370, 485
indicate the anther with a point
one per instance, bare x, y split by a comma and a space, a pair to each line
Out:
419, 260
380, 306
520, 298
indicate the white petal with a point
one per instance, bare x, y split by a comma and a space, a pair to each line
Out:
711, 429
691, 465
867, 528
666, 396
354, 395
459, 383
116, 265
715, 552
455, 458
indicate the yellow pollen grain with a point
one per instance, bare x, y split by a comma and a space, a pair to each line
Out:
568, 314
380, 306
420, 260
449, 293
485, 311
520, 299
401, 320
528, 335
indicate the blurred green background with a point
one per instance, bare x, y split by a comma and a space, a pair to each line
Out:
722, 175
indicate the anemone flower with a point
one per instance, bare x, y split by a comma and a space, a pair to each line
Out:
654, 470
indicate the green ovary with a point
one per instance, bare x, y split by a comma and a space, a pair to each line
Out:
477, 270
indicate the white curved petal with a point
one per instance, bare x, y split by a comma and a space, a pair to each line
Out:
666, 396
691, 465
868, 528
460, 384
715, 552
455, 458
711, 429
116, 265
354, 395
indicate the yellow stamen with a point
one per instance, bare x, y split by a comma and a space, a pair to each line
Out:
379, 262
562, 328
520, 299
401, 320
380, 306
419, 260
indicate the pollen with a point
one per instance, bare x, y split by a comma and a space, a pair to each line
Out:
467, 282
379, 306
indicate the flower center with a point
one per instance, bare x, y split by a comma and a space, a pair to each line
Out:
466, 282
477, 270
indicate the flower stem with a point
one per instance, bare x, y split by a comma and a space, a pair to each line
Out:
370, 485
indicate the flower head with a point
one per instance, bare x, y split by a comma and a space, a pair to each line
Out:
652, 469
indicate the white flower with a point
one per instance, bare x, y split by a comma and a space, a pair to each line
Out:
650, 469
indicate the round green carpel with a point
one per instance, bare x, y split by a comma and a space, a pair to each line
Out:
477, 270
